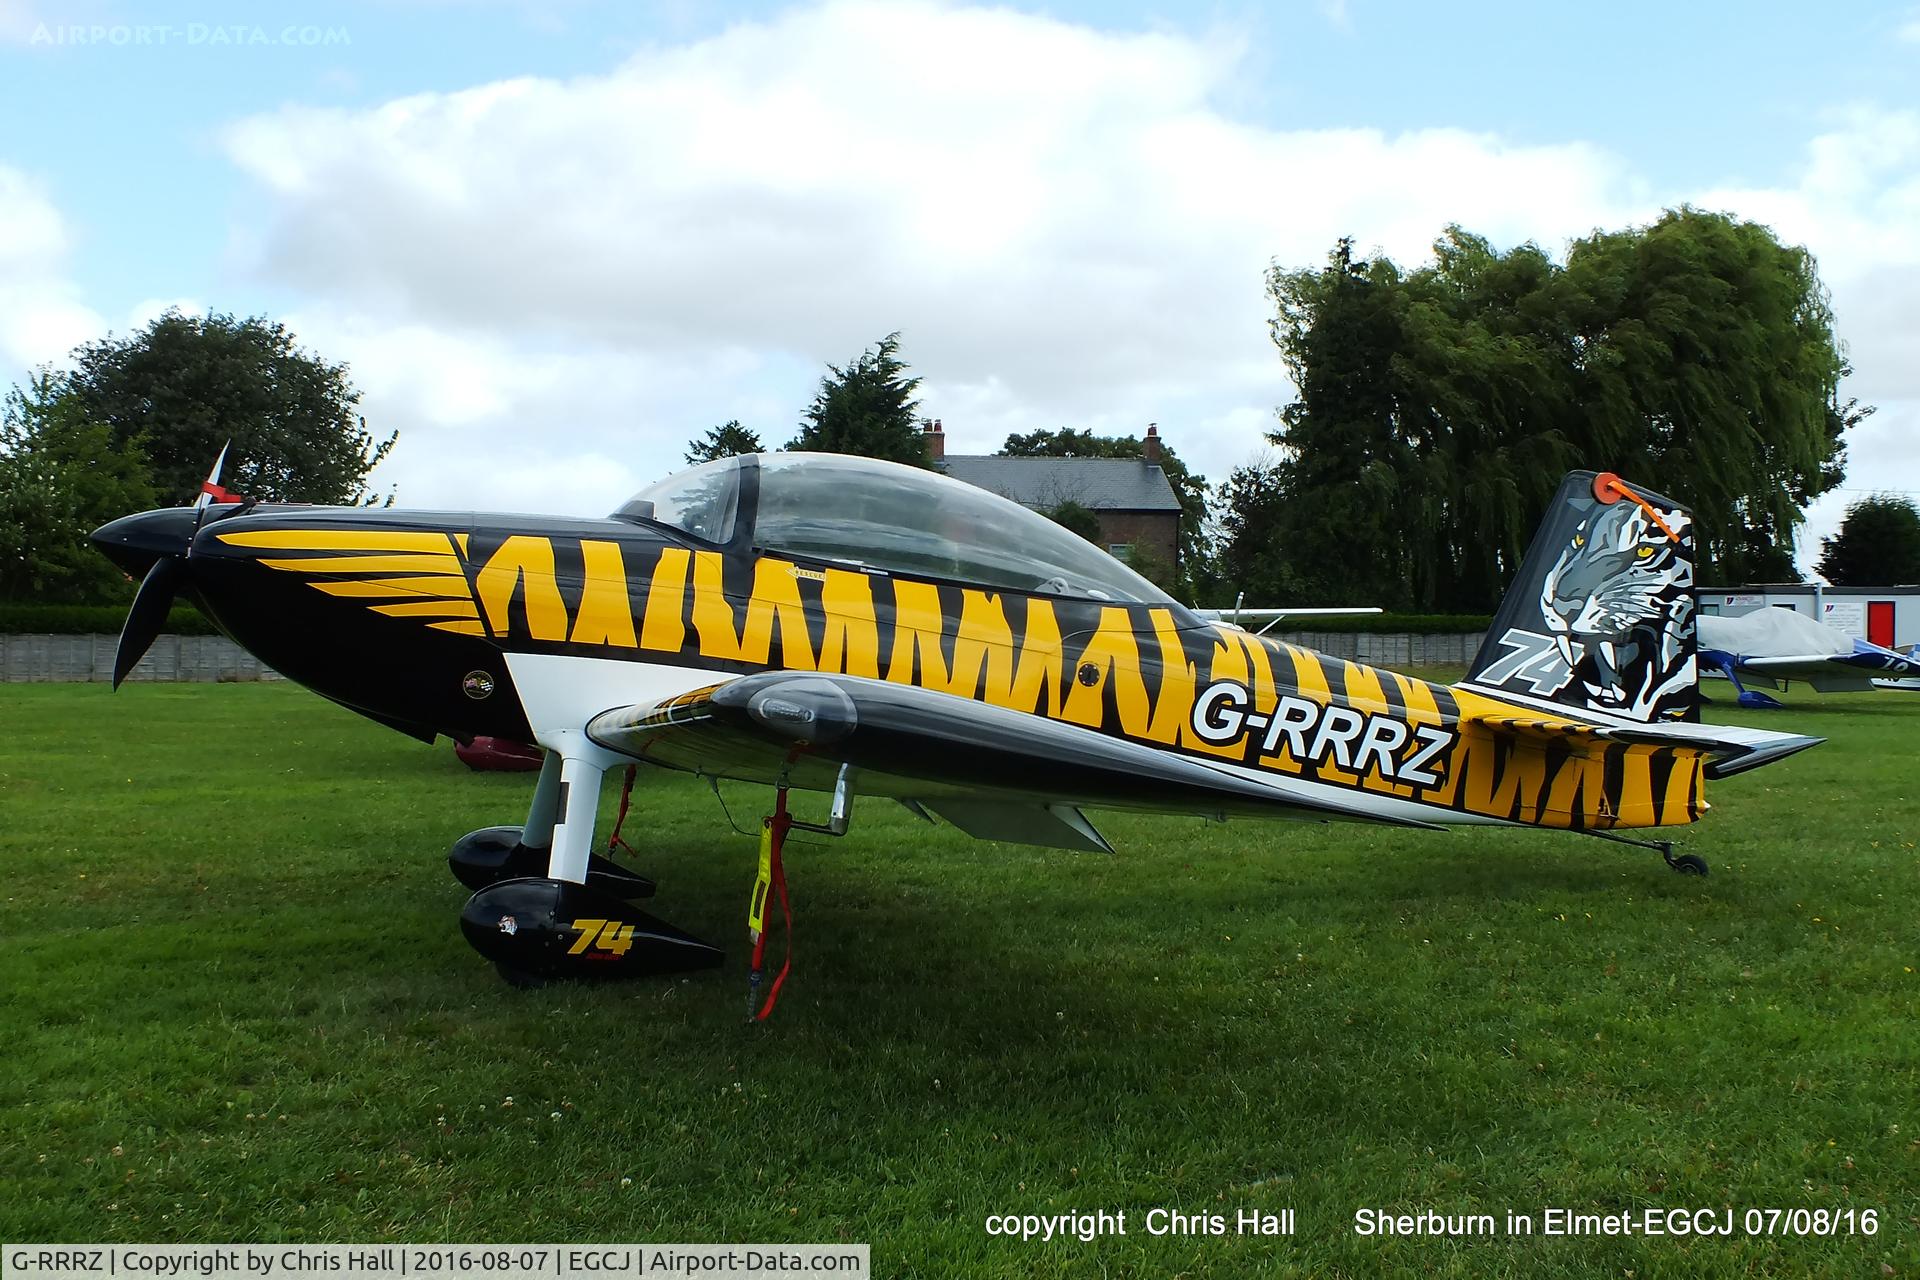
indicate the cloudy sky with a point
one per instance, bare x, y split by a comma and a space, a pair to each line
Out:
556, 240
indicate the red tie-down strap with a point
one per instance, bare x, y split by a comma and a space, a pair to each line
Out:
786, 916
619, 819
777, 826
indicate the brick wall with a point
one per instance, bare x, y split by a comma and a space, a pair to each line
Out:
79, 659
1156, 532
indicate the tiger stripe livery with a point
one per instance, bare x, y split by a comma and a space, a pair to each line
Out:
416, 575
1135, 671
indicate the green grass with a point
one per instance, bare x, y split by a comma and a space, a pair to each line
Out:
235, 1004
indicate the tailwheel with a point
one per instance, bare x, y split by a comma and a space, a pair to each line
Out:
1688, 864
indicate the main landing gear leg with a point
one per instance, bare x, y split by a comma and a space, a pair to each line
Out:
574, 917
492, 854
538, 833
1687, 864
578, 808
1752, 699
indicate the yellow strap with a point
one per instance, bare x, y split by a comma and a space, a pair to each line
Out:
756, 910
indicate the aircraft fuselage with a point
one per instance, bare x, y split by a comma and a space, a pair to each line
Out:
426, 621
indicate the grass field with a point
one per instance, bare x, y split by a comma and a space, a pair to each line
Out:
235, 1005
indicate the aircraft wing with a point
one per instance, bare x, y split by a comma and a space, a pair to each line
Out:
993, 772
1342, 611
1274, 617
1769, 646
1828, 673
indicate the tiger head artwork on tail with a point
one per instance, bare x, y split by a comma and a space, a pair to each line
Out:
1603, 614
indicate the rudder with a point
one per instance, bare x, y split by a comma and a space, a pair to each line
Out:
1601, 617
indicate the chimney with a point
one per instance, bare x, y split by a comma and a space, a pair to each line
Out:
935, 438
1150, 450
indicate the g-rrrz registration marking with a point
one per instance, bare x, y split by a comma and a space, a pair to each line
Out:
1314, 733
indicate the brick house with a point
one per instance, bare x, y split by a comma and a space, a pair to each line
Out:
1130, 497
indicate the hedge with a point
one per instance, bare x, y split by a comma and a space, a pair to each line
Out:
18, 619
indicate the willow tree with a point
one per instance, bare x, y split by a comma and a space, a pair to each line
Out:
1437, 408
1707, 366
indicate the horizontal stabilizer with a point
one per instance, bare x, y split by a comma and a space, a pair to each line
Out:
1732, 748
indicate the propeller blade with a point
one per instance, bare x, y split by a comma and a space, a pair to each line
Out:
148, 615
211, 492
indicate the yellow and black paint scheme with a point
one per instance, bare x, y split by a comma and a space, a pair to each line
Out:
551, 928
874, 654
407, 618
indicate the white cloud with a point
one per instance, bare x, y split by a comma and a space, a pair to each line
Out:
489, 422
1063, 227
579, 275
1335, 12
41, 315
1856, 205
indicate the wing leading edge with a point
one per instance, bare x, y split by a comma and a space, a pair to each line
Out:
989, 770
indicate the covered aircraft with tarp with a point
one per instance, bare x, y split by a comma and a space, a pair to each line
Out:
1773, 646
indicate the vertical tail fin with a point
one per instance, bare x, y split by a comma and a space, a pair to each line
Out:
1601, 617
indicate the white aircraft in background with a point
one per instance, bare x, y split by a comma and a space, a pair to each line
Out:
1772, 646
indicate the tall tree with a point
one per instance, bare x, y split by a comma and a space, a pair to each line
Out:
1190, 489
1437, 408
1251, 554
60, 478
1708, 356
724, 441
185, 385
1339, 520
867, 408
1877, 545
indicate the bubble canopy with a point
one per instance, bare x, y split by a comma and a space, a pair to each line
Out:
870, 514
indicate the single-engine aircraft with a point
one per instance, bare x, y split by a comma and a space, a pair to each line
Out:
1774, 646
854, 627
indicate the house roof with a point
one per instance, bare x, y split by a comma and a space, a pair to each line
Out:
1099, 484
